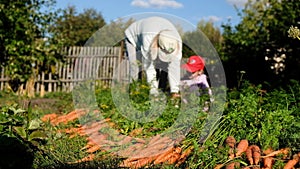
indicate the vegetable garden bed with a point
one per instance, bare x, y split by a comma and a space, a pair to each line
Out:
267, 120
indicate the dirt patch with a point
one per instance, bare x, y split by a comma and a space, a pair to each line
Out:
44, 104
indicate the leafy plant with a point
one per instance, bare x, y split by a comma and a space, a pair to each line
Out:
294, 32
19, 123
268, 119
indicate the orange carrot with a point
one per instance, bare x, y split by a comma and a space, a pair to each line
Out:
249, 155
268, 151
125, 140
93, 149
162, 140
268, 162
156, 151
246, 167
184, 155
218, 166
173, 159
164, 156
154, 139
90, 157
49, 117
291, 163
230, 141
256, 154
136, 163
140, 140
128, 151
284, 151
241, 147
230, 165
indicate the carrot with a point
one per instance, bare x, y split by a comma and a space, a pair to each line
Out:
149, 151
97, 138
175, 155
125, 140
172, 160
268, 162
249, 155
92, 125
164, 156
128, 151
256, 154
90, 157
93, 149
230, 141
107, 143
140, 140
144, 162
161, 140
230, 165
137, 147
159, 146
86, 146
218, 166
73, 130
284, 151
96, 128
268, 151
136, 132
178, 150
184, 155
291, 163
136, 163
154, 139
241, 147
49, 117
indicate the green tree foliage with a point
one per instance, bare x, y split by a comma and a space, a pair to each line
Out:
111, 34
205, 38
259, 44
73, 29
24, 46
212, 32
294, 32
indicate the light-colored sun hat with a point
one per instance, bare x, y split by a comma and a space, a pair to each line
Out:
168, 46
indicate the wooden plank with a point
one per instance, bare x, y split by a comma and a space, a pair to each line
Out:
38, 83
42, 92
1, 79
55, 85
50, 84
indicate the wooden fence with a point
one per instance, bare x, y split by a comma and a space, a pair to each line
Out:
80, 63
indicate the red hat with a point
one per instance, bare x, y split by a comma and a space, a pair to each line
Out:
195, 63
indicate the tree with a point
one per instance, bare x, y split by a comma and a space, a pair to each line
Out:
24, 47
203, 40
72, 29
259, 45
111, 34
212, 32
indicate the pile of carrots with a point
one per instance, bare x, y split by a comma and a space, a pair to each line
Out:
161, 149
139, 152
256, 158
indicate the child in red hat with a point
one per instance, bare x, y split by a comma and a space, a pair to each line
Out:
195, 79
